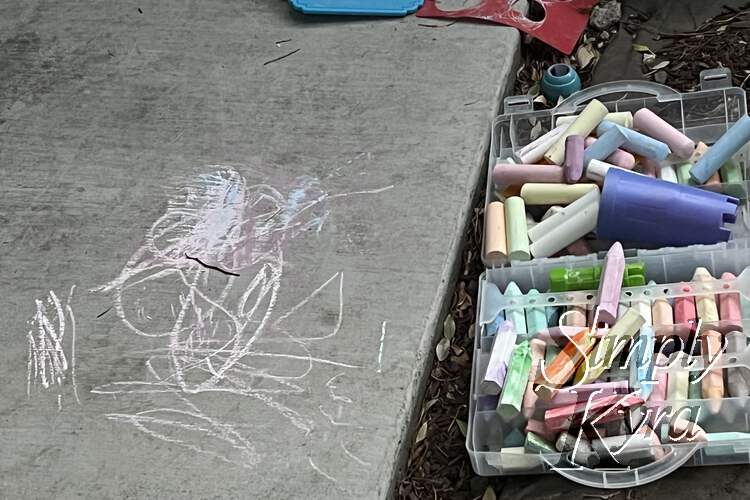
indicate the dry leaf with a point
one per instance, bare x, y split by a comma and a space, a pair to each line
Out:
441, 350
461, 426
536, 130
585, 54
661, 65
489, 494
543, 100
449, 327
534, 90
722, 29
649, 59
421, 433
641, 48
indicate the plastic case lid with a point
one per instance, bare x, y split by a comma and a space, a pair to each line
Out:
357, 7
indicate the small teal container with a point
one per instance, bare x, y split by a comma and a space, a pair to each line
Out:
560, 80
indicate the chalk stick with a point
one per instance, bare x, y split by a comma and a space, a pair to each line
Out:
610, 284
534, 193
624, 118
514, 386
495, 245
534, 151
727, 145
637, 143
573, 166
497, 368
652, 125
505, 174
583, 125
516, 230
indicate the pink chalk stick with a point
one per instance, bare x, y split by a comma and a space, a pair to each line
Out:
685, 314
620, 157
730, 309
508, 174
539, 428
610, 284
572, 395
650, 124
530, 397
562, 417
573, 165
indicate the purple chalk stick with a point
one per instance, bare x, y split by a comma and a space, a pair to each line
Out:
610, 284
573, 166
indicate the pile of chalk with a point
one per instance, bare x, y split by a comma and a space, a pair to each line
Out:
630, 177
611, 384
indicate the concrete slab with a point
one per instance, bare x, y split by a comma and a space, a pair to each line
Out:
222, 278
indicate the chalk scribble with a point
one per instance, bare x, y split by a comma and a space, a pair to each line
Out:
49, 368
207, 332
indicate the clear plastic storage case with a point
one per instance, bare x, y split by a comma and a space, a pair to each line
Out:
672, 269
703, 115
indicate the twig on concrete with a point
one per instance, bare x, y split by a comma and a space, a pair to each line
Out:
208, 266
281, 57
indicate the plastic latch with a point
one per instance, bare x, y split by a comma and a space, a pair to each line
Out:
716, 78
517, 104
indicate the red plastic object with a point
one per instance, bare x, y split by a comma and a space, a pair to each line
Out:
563, 22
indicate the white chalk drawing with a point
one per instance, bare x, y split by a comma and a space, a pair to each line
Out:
380, 349
49, 368
215, 261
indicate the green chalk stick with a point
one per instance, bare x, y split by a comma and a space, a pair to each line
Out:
683, 173
536, 444
516, 231
514, 386
731, 176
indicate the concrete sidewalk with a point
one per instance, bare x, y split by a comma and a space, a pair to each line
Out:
222, 278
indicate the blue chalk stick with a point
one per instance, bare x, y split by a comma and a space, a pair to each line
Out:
635, 142
718, 154
536, 317
604, 146
515, 314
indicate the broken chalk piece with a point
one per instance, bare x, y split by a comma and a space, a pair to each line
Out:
619, 157
551, 377
529, 397
536, 444
731, 175
667, 173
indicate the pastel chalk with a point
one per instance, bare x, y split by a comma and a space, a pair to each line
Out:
730, 308
497, 367
515, 314
619, 157
712, 385
514, 386
727, 145
505, 174
610, 284
654, 126
607, 143
551, 194
577, 220
583, 125
534, 151
574, 158
516, 231
637, 143
495, 243
624, 118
